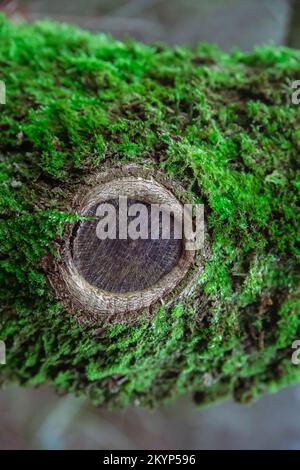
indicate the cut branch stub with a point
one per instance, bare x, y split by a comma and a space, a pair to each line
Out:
116, 277
123, 265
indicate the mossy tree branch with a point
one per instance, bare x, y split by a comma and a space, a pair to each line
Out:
224, 127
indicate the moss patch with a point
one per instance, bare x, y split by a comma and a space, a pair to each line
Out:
221, 124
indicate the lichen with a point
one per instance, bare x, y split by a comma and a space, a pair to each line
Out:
223, 125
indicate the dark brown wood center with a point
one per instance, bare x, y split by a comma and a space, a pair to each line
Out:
123, 265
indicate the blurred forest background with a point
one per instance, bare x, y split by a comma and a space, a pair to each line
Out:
38, 418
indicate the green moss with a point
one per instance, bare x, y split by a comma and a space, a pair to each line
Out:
221, 124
